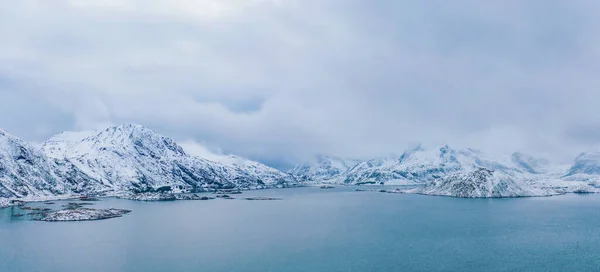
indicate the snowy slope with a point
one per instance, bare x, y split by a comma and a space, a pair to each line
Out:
423, 166
135, 158
418, 165
482, 183
323, 169
586, 167
586, 164
255, 170
27, 172
532, 165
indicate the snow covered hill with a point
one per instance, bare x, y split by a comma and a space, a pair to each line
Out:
482, 183
586, 167
418, 165
323, 169
456, 172
255, 171
586, 164
530, 164
26, 171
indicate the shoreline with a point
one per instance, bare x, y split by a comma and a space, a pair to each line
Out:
8, 202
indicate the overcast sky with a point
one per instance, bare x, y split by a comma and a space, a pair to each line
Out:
282, 80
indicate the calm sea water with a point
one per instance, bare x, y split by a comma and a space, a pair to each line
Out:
316, 230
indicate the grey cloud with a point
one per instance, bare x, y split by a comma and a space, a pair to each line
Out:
281, 82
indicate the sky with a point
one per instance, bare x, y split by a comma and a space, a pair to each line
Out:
280, 81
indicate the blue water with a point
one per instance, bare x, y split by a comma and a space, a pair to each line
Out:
316, 230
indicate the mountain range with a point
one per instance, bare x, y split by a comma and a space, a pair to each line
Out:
459, 172
135, 159
418, 165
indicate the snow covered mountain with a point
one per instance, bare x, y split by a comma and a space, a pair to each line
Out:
25, 171
586, 167
423, 166
255, 171
482, 183
126, 158
413, 166
323, 169
530, 164
586, 164
135, 158
420, 165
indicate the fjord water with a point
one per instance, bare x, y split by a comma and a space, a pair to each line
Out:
316, 230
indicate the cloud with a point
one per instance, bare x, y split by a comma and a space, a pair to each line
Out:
196, 149
280, 81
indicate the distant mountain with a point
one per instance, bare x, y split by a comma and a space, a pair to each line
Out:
420, 165
255, 171
324, 168
530, 164
482, 183
586, 163
413, 166
586, 167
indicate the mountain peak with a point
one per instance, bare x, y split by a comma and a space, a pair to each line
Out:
128, 138
128, 128
446, 149
586, 163
128, 131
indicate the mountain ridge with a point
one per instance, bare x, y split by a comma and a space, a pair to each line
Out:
420, 166
124, 158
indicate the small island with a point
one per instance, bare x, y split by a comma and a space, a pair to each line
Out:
81, 214
262, 198
165, 197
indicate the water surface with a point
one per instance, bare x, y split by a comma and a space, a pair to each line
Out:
316, 230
